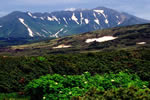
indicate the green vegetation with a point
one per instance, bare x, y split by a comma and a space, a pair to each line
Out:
17, 72
13, 96
57, 87
130, 93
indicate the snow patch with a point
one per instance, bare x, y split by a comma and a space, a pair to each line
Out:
86, 21
41, 18
1, 26
30, 14
97, 21
94, 15
101, 39
81, 15
119, 23
62, 46
117, 16
50, 19
29, 30
56, 34
34, 17
38, 33
65, 31
53, 18
74, 18
100, 12
141, 43
44, 31
106, 21
65, 20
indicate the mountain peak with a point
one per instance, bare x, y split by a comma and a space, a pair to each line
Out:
63, 23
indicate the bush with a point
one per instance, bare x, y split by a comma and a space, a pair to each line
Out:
130, 93
14, 69
54, 87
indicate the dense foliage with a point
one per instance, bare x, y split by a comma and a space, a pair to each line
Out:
13, 96
57, 87
16, 72
130, 93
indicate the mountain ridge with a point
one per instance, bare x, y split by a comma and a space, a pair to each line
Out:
63, 23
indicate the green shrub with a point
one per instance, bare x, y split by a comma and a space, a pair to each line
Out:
130, 93
54, 87
14, 69
13, 96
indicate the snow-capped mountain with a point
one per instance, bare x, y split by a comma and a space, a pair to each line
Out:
62, 23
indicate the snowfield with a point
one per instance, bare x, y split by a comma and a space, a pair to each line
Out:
62, 46
141, 43
101, 39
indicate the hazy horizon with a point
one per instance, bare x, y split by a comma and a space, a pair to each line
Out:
136, 7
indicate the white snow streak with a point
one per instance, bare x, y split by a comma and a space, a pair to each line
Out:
53, 18
96, 20
81, 15
86, 21
30, 14
50, 19
65, 31
100, 12
65, 20
74, 18
44, 31
29, 30
101, 39
1, 26
38, 33
56, 34
41, 18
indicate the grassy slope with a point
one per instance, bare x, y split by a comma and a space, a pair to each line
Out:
127, 39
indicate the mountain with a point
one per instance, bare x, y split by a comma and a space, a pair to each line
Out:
129, 37
62, 23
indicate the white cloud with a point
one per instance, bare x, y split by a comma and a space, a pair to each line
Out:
70, 9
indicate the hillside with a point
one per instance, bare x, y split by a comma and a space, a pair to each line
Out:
130, 37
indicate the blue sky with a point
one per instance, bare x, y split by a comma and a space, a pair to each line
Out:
139, 8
